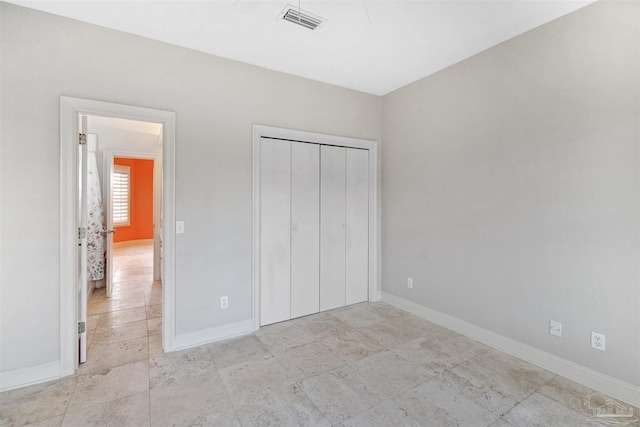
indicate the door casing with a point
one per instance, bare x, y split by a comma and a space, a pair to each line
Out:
70, 108
82, 211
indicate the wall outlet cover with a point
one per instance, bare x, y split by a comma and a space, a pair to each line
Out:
598, 341
555, 328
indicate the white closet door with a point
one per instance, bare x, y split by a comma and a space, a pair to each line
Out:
275, 237
332, 226
357, 228
305, 229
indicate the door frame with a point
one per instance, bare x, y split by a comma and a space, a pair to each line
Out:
70, 108
260, 131
108, 156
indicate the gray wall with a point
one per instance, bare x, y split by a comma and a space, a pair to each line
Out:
510, 186
216, 102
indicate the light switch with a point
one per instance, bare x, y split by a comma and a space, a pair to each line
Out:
179, 227
555, 328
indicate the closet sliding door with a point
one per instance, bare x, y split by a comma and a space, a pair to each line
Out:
357, 226
333, 175
305, 229
314, 228
275, 234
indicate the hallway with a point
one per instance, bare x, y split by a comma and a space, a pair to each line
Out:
126, 327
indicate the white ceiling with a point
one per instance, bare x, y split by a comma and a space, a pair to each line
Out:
374, 46
125, 125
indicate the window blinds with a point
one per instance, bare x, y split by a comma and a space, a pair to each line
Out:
121, 195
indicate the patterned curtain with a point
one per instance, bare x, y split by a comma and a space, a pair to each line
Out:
95, 222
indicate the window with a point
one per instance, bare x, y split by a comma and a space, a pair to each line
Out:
121, 200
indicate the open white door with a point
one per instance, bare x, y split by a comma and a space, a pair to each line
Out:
82, 239
108, 203
157, 218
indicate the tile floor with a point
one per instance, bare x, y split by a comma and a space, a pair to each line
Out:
364, 365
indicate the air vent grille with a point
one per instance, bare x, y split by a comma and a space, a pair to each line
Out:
300, 17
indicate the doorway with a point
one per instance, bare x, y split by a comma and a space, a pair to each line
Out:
133, 195
70, 110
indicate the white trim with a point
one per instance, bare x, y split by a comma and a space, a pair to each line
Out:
133, 154
69, 110
205, 336
614, 387
260, 131
27, 376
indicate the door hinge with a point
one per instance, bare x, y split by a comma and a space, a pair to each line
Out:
82, 233
81, 327
82, 139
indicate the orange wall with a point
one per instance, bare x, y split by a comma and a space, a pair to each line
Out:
141, 224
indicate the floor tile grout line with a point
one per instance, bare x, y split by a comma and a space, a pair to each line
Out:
385, 398
149, 376
66, 409
552, 398
227, 393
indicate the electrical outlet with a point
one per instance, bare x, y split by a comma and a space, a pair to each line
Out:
555, 328
224, 302
597, 341
410, 283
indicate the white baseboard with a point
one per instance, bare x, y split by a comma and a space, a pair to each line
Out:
618, 389
28, 376
206, 336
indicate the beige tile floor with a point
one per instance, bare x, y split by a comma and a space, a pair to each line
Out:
364, 365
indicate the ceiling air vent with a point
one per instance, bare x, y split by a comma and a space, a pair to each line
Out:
297, 16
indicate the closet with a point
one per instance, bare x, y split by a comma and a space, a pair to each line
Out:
314, 228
